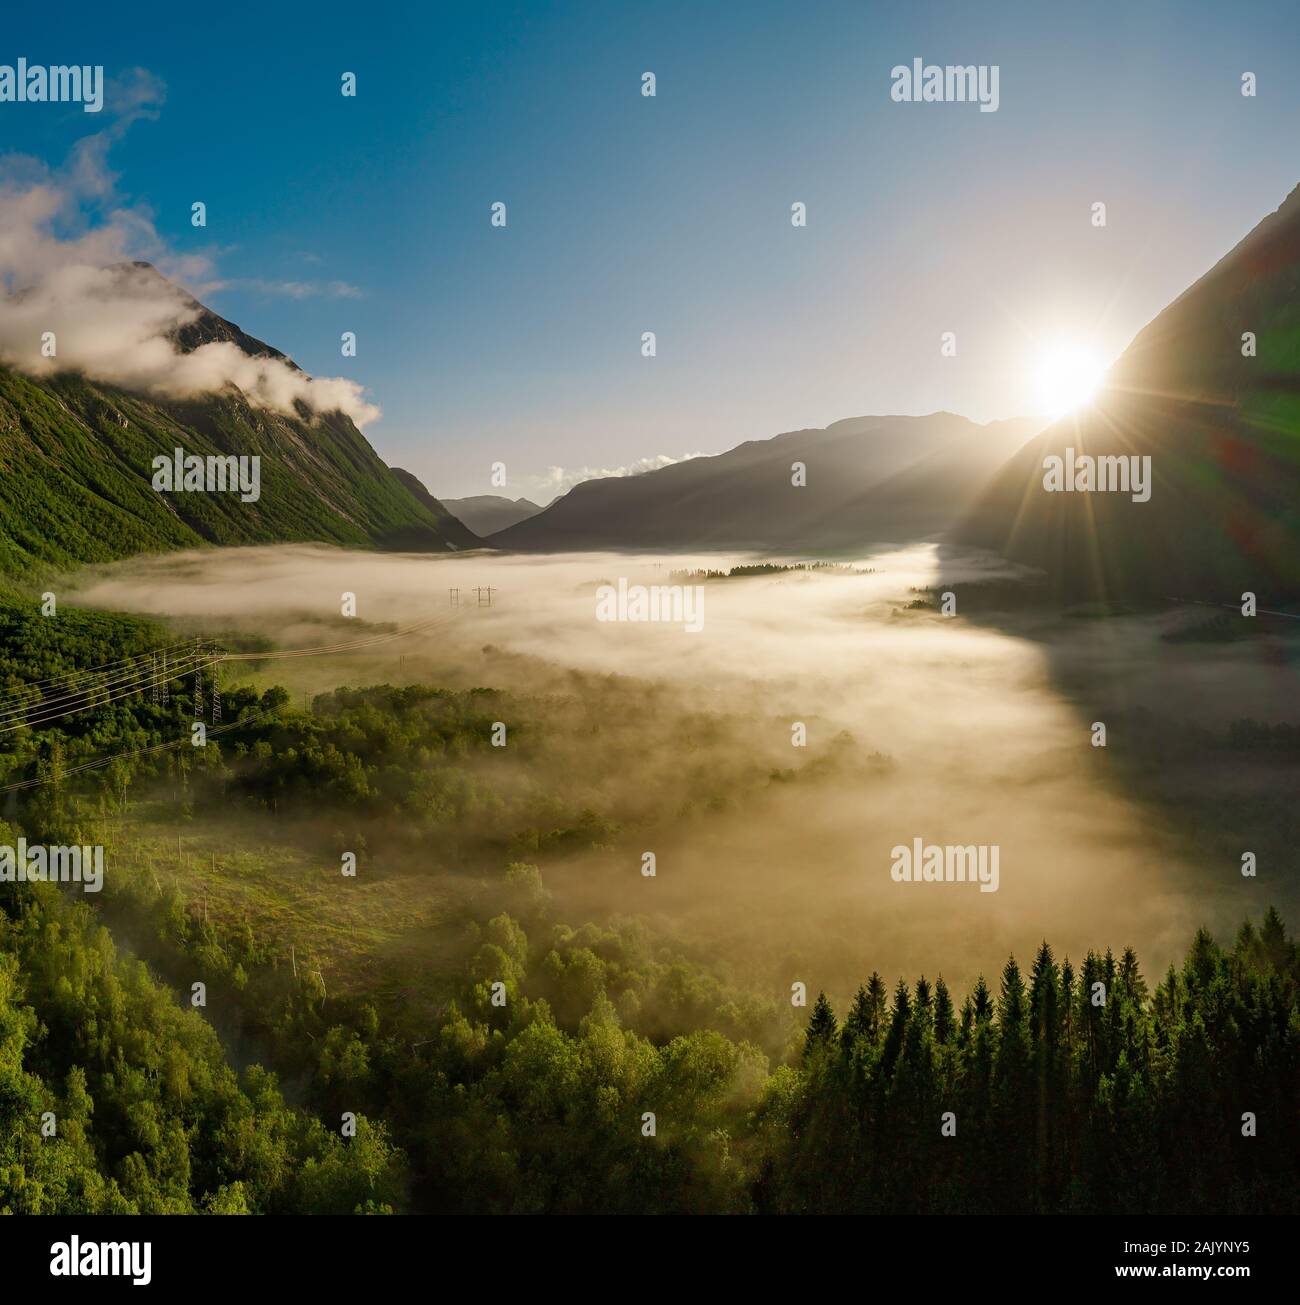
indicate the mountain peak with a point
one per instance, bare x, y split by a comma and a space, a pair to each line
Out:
204, 326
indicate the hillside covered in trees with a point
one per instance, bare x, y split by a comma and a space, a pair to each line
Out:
77, 457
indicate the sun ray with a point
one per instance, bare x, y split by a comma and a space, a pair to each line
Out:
1067, 376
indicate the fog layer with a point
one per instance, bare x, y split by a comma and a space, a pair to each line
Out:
955, 736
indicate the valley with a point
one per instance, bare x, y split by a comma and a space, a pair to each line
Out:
685, 681
518, 869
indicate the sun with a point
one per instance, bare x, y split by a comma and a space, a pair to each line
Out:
1067, 376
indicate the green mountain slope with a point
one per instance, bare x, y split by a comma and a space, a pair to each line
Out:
76, 473
458, 533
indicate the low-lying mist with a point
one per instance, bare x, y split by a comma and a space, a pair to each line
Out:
918, 727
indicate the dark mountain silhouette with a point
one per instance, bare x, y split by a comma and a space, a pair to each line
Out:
868, 480
486, 513
1222, 430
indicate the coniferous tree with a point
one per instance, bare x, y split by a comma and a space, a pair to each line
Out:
898, 1018
876, 998
967, 1023
1280, 953
821, 1026
1070, 1102
983, 1000
857, 1022
943, 1013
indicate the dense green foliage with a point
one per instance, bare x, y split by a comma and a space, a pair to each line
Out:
1064, 1096
36, 648
541, 1104
521, 1064
146, 1114
55, 714
76, 486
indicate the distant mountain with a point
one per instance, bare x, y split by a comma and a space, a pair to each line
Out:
486, 513
1222, 430
452, 524
76, 470
869, 480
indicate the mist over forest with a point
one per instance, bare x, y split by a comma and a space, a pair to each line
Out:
675, 610
774, 858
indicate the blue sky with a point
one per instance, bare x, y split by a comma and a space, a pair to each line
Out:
672, 214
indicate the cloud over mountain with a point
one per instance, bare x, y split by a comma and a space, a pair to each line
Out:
559, 480
76, 296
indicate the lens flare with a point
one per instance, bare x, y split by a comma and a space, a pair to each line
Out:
1067, 377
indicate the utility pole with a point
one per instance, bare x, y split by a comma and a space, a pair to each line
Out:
482, 590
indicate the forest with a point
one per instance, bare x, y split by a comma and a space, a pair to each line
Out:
539, 1064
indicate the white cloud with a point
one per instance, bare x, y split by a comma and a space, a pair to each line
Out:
559, 480
111, 321
298, 289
